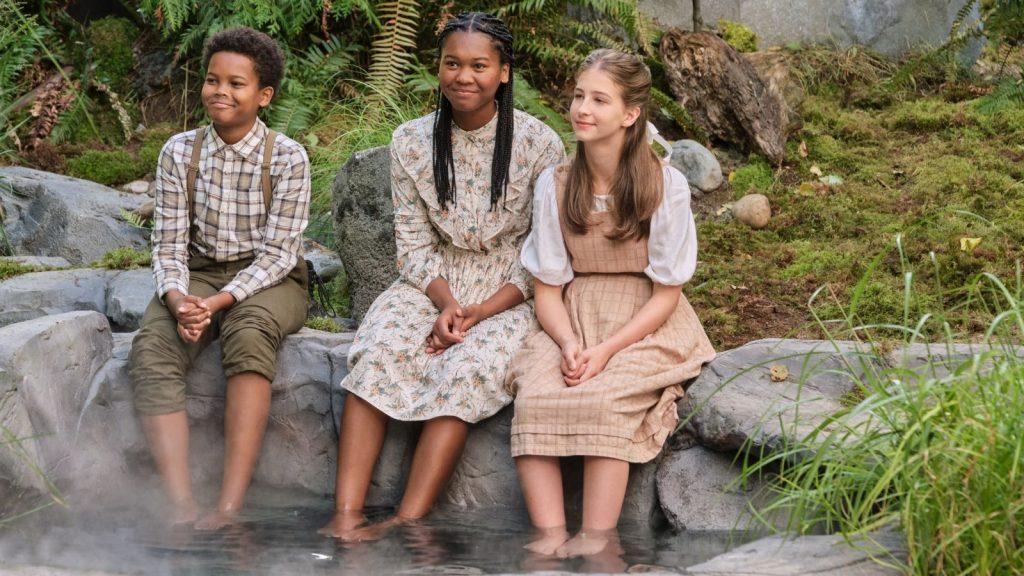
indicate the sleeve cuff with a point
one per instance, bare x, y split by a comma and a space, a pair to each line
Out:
237, 290
168, 285
666, 280
554, 278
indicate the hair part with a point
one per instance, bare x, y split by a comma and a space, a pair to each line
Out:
638, 185
444, 163
266, 55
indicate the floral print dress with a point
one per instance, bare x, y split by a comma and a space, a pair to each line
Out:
476, 249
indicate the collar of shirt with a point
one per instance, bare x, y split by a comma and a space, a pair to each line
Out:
249, 147
484, 133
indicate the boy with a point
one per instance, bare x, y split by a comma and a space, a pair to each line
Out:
232, 202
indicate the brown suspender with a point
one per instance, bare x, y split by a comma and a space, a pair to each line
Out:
193, 171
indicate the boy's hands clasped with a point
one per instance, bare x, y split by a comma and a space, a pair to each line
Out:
194, 314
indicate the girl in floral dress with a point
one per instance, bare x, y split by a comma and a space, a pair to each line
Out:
435, 346
613, 240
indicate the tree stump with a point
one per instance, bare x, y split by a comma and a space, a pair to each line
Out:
723, 92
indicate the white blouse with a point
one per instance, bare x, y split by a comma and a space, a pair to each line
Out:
671, 246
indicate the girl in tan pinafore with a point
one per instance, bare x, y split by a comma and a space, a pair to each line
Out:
613, 240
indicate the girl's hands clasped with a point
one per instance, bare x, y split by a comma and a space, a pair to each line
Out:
578, 366
445, 333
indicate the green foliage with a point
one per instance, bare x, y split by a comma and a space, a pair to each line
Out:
529, 99
111, 40
9, 269
124, 258
108, 167
391, 54
323, 324
1008, 94
757, 176
737, 35
19, 43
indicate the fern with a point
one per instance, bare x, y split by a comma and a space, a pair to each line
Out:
1007, 94
136, 220
391, 53
529, 99
679, 114
20, 36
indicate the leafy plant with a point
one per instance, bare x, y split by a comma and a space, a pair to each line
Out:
391, 54
124, 258
19, 44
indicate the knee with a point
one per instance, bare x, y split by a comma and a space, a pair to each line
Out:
249, 344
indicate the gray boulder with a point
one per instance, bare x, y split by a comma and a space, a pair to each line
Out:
698, 490
39, 294
326, 261
52, 215
128, 294
698, 164
807, 555
121, 295
40, 261
46, 367
364, 227
738, 405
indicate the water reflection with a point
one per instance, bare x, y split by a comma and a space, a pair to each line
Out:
282, 539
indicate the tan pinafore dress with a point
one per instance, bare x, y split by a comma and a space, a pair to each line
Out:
628, 410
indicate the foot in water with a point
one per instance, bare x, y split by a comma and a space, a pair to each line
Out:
588, 543
375, 531
548, 540
184, 512
216, 520
342, 523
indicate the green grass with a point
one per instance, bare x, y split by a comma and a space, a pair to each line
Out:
937, 454
124, 258
10, 269
323, 324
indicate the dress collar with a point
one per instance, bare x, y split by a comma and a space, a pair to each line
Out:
484, 133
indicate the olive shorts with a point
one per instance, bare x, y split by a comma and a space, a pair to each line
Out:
250, 332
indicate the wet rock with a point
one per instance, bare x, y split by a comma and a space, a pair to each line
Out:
363, 225
807, 555
326, 261
737, 402
136, 187
46, 366
52, 215
754, 210
128, 294
37, 294
40, 261
698, 490
698, 164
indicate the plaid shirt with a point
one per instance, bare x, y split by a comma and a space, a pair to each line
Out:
232, 222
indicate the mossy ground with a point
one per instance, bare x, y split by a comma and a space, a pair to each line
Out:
922, 168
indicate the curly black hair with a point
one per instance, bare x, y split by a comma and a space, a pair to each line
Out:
266, 54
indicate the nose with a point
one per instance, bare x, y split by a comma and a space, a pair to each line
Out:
463, 76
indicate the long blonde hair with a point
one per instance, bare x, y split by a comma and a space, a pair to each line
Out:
638, 185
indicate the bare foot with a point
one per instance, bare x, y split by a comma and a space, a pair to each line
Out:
343, 522
184, 512
216, 520
548, 540
374, 531
586, 543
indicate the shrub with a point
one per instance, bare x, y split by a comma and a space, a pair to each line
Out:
124, 258
737, 35
107, 167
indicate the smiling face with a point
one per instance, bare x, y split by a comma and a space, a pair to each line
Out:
598, 110
471, 73
231, 93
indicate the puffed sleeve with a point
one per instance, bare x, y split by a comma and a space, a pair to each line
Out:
551, 152
419, 261
544, 254
672, 245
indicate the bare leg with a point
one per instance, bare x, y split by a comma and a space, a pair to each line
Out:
541, 479
167, 435
245, 421
604, 488
363, 428
437, 452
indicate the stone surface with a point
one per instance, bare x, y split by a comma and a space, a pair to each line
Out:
754, 210
698, 164
52, 215
128, 294
41, 261
892, 27
697, 490
363, 225
136, 187
46, 366
807, 555
38, 294
326, 261
737, 402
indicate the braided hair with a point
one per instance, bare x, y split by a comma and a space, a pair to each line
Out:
444, 164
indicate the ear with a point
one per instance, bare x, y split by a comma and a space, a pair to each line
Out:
266, 95
631, 115
506, 71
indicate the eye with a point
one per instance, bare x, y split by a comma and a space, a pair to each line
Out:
577, 96
479, 66
211, 81
451, 64
238, 84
